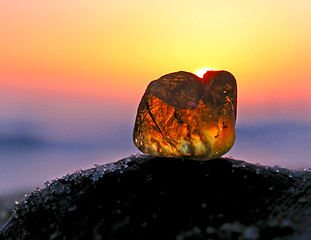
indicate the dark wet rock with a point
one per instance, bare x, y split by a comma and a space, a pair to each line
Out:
7, 205
145, 197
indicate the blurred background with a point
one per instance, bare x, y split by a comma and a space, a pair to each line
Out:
72, 74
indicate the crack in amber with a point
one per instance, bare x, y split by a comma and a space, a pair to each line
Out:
183, 115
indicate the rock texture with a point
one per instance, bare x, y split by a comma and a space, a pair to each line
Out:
145, 198
7, 204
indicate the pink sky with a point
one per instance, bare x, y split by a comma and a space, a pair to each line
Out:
106, 52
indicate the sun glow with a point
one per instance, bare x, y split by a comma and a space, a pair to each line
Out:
202, 71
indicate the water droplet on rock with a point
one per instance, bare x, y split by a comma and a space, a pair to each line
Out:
72, 208
303, 200
210, 230
251, 233
46, 184
196, 230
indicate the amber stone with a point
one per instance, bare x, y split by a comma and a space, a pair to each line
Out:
183, 115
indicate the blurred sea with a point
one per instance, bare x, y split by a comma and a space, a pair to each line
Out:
31, 153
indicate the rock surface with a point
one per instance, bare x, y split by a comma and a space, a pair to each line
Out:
7, 205
146, 197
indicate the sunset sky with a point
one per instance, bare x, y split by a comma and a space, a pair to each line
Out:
72, 74
108, 51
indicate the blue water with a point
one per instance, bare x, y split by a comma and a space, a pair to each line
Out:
28, 159
286, 144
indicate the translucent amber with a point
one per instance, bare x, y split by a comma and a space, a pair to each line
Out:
183, 115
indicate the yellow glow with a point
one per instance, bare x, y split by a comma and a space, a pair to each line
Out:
202, 71
113, 49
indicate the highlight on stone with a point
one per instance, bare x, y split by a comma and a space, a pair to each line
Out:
183, 115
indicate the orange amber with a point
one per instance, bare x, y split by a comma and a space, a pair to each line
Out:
182, 115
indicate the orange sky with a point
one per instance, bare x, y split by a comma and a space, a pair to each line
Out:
112, 49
